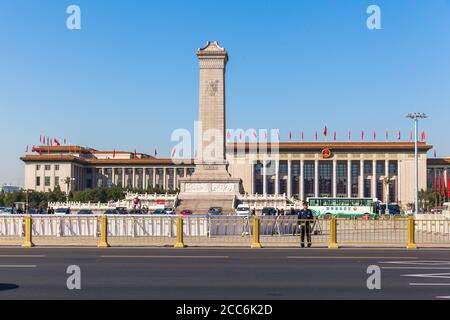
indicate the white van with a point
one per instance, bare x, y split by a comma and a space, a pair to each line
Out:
243, 210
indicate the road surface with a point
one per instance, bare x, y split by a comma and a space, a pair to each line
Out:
223, 273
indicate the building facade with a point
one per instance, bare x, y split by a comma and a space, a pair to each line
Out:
298, 170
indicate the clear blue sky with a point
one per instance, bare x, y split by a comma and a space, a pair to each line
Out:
129, 77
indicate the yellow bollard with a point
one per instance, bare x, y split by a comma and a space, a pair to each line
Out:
256, 244
103, 232
28, 243
411, 234
179, 243
333, 234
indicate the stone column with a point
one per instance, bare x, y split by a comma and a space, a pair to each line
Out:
361, 178
277, 176
349, 178
264, 177
289, 179
301, 179
164, 178
386, 174
123, 178
316, 178
399, 183
134, 178
334, 189
374, 178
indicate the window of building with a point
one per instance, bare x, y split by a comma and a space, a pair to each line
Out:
258, 178
38, 167
47, 167
325, 179
341, 177
309, 179
355, 177
38, 181
56, 181
56, 167
47, 181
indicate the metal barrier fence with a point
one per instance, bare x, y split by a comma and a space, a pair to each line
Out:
194, 230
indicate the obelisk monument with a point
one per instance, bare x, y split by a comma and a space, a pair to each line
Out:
211, 184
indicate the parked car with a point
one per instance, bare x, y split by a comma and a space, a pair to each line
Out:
269, 211
169, 210
186, 212
8, 211
393, 209
2, 210
122, 210
135, 211
62, 211
215, 211
243, 210
159, 211
111, 211
85, 212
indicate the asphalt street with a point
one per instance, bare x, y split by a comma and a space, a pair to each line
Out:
223, 273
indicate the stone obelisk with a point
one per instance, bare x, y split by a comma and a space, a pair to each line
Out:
211, 184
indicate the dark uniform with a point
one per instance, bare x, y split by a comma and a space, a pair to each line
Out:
305, 217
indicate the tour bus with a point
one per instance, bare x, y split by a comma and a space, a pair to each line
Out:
343, 207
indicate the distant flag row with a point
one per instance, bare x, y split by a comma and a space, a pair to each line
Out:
263, 135
441, 185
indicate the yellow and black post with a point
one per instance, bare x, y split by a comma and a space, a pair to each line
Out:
411, 234
103, 232
255, 243
179, 243
333, 234
28, 243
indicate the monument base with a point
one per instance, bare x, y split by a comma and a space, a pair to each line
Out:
203, 191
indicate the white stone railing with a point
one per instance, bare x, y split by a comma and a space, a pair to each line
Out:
147, 200
259, 201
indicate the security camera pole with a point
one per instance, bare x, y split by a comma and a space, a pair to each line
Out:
416, 116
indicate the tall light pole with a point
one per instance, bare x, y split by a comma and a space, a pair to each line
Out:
67, 181
416, 116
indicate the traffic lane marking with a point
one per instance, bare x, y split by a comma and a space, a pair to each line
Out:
429, 284
349, 257
18, 266
164, 257
415, 268
22, 255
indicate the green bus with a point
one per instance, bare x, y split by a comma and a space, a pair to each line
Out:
343, 207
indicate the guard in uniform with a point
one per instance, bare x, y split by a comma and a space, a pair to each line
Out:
305, 217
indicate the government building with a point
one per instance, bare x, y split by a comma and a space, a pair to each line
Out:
299, 169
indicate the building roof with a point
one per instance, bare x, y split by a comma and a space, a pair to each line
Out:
439, 161
93, 161
314, 146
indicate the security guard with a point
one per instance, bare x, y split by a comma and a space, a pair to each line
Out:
305, 216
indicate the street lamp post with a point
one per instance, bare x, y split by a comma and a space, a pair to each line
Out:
416, 116
67, 181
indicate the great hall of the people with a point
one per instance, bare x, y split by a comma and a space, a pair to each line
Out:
299, 169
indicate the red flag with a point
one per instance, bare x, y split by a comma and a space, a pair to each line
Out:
254, 134
435, 185
114, 153
40, 138
443, 184
325, 131
349, 135
156, 152
410, 136
56, 142
65, 141
228, 135
362, 135
374, 135
290, 135
399, 135
26, 149
435, 153
316, 135
303, 135
423, 136
387, 135
33, 149
335, 136
174, 150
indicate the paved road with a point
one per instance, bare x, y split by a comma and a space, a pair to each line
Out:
208, 273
